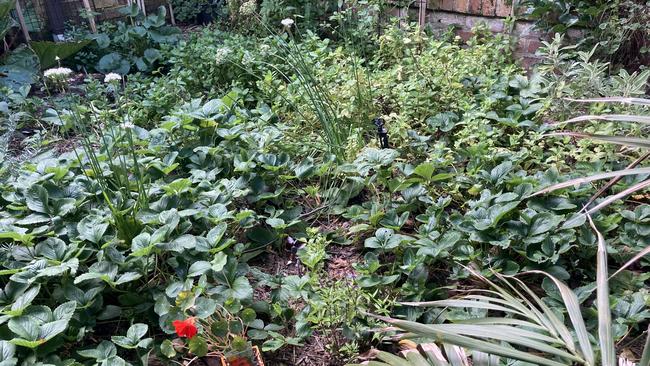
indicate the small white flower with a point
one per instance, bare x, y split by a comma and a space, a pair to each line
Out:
406, 41
287, 22
248, 8
110, 77
57, 73
222, 54
127, 125
57, 58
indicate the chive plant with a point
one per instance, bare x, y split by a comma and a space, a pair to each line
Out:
113, 166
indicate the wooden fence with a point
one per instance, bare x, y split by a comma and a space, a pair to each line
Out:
39, 19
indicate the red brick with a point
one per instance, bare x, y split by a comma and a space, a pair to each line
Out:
475, 7
503, 9
533, 45
489, 8
464, 35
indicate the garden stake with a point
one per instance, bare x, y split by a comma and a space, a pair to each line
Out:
382, 132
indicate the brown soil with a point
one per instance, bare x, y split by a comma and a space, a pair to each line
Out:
314, 352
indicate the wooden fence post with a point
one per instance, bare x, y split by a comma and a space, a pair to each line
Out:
91, 16
171, 13
21, 20
422, 14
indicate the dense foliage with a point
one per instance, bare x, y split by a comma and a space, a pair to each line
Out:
620, 27
223, 189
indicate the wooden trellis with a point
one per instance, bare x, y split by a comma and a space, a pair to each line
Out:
35, 17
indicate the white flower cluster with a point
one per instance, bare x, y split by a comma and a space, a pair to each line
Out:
248, 8
288, 22
222, 54
127, 125
57, 73
265, 48
110, 77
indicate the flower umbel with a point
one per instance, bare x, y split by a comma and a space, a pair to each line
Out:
110, 77
221, 55
248, 8
57, 73
185, 328
287, 22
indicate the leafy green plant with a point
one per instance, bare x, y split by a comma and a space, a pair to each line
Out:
136, 42
529, 322
617, 26
618, 140
187, 11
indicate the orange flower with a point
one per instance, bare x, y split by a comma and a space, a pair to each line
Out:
185, 328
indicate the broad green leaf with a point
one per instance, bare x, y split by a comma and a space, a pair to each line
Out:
92, 228
137, 331
37, 199
167, 349
198, 346
425, 170
25, 327
198, 268
52, 329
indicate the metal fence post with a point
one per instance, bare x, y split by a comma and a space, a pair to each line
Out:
21, 20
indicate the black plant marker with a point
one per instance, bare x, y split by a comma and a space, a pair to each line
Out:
382, 132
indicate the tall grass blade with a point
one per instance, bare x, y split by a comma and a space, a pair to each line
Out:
573, 308
578, 181
625, 100
645, 357
615, 180
618, 140
640, 255
610, 117
473, 344
554, 325
605, 336
609, 200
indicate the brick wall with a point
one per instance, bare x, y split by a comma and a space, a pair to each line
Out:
529, 39
491, 8
463, 15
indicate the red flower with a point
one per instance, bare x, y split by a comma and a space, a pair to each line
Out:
185, 328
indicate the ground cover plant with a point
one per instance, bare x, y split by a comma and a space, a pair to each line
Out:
225, 192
